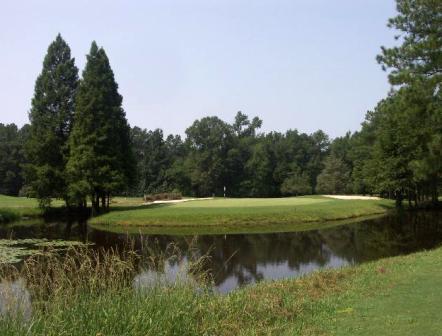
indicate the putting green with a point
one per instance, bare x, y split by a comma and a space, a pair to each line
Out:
242, 213
249, 202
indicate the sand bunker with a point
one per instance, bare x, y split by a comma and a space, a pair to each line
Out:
180, 200
353, 197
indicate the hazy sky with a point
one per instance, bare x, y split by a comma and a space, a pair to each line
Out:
305, 64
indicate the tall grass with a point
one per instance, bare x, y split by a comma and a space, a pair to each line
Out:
92, 292
88, 292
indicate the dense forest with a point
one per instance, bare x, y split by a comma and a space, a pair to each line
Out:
79, 145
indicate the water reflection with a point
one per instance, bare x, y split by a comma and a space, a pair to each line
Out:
15, 300
172, 274
237, 260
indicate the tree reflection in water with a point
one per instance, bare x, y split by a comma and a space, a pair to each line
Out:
240, 259
237, 260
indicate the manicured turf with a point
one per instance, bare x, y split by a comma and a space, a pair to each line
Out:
14, 208
17, 202
398, 296
243, 213
180, 230
395, 296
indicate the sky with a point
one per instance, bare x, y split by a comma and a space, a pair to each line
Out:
304, 64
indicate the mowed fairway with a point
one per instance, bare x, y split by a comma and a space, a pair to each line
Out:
17, 202
243, 212
14, 208
24, 202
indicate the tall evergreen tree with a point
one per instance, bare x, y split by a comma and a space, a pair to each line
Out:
12, 141
51, 117
101, 160
412, 119
419, 56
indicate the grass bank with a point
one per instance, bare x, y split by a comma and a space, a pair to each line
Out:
396, 296
225, 214
14, 208
183, 230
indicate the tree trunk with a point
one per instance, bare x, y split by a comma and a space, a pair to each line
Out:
94, 205
399, 198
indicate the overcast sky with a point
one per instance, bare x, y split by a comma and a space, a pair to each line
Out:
305, 64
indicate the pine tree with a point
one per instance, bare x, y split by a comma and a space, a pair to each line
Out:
11, 158
51, 117
101, 160
418, 56
411, 130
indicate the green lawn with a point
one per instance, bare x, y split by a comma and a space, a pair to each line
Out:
394, 297
14, 208
242, 213
397, 296
17, 202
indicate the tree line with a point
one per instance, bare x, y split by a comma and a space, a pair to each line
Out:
217, 157
79, 146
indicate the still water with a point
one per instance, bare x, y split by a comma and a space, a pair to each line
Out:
240, 259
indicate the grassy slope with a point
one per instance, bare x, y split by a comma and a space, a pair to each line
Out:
13, 208
396, 296
399, 296
243, 212
227, 229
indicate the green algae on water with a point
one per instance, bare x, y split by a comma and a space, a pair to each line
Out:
15, 250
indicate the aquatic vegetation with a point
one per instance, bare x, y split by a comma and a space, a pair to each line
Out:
15, 250
26, 241
13, 254
61, 243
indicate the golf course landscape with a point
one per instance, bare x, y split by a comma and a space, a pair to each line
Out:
205, 168
227, 215
397, 294
271, 214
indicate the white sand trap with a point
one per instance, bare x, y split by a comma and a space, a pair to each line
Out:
352, 197
180, 200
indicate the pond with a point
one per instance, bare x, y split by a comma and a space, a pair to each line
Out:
240, 259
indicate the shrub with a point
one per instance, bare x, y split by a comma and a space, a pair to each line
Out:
163, 197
